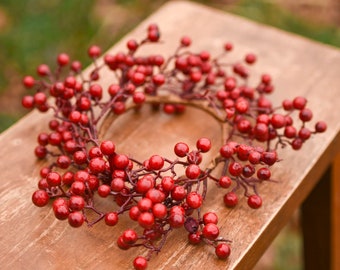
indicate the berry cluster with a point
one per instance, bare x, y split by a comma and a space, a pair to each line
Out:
152, 192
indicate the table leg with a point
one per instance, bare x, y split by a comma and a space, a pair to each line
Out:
316, 225
336, 213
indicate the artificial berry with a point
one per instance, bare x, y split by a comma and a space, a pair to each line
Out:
230, 199
140, 263
210, 231
222, 251
254, 201
111, 218
40, 198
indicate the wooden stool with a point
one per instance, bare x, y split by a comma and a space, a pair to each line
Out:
32, 238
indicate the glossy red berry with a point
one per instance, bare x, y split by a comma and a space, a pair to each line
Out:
156, 162
130, 237
254, 201
203, 144
181, 149
210, 217
140, 263
111, 218
193, 171
210, 231
40, 198
76, 219
63, 59
94, 51
230, 199
146, 220
320, 126
76, 203
222, 251
194, 200
299, 103
185, 41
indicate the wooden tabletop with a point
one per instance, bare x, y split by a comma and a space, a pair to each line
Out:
31, 238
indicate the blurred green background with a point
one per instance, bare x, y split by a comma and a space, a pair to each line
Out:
35, 31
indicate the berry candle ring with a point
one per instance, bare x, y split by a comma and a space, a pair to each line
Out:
160, 194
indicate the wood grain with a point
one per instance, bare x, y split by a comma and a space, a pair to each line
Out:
31, 238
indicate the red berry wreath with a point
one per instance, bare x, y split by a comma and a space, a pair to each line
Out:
151, 191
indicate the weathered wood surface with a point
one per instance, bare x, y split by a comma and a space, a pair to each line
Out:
31, 238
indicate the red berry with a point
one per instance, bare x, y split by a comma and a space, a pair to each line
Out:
226, 151
155, 195
94, 51
140, 263
305, 115
278, 121
185, 41
40, 198
222, 251
178, 193
176, 220
132, 45
158, 79
63, 162
228, 46
159, 210
299, 103
235, 168
181, 149
63, 59
203, 144
145, 183
43, 70
230, 199
194, 238
168, 183
146, 220
138, 97
117, 184
53, 179
320, 126
120, 161
104, 190
304, 133
156, 162
254, 201
60, 209
27, 102
78, 188
97, 165
121, 244
76, 203
134, 213
76, 219
144, 205
193, 171
28, 81
263, 173
210, 231
194, 200
130, 237
96, 91
250, 58
107, 147
111, 218
210, 217
224, 182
